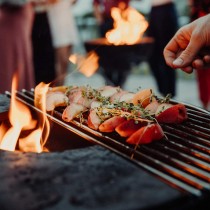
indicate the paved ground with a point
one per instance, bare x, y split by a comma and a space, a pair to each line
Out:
186, 88
186, 85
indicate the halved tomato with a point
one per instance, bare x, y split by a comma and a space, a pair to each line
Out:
146, 134
174, 114
110, 124
128, 127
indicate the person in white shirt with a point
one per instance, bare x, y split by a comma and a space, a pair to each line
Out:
64, 35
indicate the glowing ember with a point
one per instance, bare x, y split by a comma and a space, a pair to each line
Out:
21, 120
87, 65
129, 26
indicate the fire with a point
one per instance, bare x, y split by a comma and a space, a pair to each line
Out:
21, 120
129, 26
87, 65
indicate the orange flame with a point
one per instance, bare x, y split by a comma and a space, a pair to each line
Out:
129, 26
21, 119
87, 65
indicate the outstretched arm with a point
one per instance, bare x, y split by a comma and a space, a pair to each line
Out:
190, 47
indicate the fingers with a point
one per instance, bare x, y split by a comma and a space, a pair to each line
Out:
173, 58
169, 57
206, 58
201, 63
188, 69
188, 48
177, 50
198, 64
188, 55
172, 61
172, 51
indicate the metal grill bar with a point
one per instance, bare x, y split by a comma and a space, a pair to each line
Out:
182, 160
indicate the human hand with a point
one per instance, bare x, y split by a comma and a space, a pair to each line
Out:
202, 62
190, 47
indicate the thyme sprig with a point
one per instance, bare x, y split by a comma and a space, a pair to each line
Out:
108, 109
69, 89
123, 109
91, 93
166, 99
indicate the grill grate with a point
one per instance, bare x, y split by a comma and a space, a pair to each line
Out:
182, 159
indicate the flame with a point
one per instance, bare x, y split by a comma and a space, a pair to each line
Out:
3, 130
129, 26
40, 102
87, 65
21, 119
31, 143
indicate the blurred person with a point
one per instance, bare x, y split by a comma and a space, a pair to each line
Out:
201, 8
64, 35
15, 44
163, 24
190, 49
43, 51
102, 12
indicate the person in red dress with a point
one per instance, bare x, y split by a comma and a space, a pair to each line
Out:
15, 46
201, 8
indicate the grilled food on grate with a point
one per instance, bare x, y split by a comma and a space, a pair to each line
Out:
135, 116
